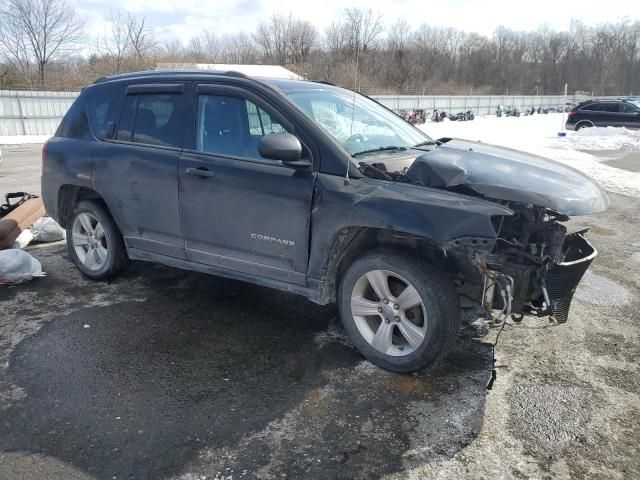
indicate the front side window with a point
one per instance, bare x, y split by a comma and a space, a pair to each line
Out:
357, 122
232, 126
152, 119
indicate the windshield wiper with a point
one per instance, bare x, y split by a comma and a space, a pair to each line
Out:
424, 144
390, 148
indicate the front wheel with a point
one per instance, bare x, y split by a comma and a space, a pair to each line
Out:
94, 242
402, 315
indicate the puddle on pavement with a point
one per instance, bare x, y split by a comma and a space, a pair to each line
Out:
259, 379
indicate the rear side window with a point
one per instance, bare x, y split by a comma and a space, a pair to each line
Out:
152, 119
594, 107
602, 107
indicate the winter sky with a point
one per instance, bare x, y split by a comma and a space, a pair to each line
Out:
181, 19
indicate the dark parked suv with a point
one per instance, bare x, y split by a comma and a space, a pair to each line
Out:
604, 113
319, 191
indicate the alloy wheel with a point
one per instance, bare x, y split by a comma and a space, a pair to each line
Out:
89, 241
389, 312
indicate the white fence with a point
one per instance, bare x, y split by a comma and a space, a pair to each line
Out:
32, 113
39, 113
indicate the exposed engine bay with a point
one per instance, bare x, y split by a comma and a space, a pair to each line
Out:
535, 266
531, 267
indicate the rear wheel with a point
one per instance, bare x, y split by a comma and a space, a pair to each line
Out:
94, 242
401, 314
583, 125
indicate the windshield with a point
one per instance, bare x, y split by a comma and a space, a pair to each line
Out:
358, 123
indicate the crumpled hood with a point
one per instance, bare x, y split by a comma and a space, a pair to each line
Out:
506, 174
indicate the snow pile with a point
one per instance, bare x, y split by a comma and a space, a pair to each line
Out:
23, 139
604, 138
538, 134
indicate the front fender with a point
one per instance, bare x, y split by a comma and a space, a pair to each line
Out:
437, 215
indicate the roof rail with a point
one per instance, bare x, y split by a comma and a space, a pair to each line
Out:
154, 73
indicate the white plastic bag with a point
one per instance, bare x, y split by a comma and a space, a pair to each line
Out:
47, 230
23, 239
18, 266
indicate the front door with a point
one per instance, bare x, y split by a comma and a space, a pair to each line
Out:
629, 115
240, 211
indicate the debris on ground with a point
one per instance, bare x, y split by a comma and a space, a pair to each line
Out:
17, 266
47, 230
24, 239
19, 212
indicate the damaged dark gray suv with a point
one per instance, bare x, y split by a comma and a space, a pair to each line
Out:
319, 191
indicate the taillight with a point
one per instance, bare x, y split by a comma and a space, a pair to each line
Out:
571, 114
44, 155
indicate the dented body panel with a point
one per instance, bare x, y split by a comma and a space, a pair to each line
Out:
505, 174
432, 214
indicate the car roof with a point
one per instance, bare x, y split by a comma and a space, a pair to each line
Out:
279, 83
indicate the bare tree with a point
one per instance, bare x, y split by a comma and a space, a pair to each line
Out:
205, 47
302, 37
115, 45
364, 28
239, 48
284, 39
336, 38
39, 31
142, 44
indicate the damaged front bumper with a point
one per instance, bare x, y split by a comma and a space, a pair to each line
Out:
561, 277
544, 290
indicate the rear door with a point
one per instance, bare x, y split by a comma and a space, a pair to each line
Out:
136, 172
608, 115
239, 210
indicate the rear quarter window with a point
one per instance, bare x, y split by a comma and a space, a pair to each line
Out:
75, 123
98, 109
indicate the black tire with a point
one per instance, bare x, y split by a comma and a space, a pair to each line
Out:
116, 257
583, 125
438, 296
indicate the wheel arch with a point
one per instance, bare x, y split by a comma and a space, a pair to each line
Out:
69, 196
584, 123
351, 243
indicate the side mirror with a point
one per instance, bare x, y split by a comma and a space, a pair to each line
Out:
284, 147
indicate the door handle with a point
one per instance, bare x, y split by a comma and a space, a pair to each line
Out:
199, 172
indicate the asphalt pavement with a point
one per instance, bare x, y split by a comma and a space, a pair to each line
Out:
164, 373
20, 169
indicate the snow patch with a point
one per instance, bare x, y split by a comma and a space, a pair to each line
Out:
604, 138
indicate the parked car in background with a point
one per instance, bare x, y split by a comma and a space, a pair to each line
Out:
604, 113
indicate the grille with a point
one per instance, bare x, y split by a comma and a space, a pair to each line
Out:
562, 277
